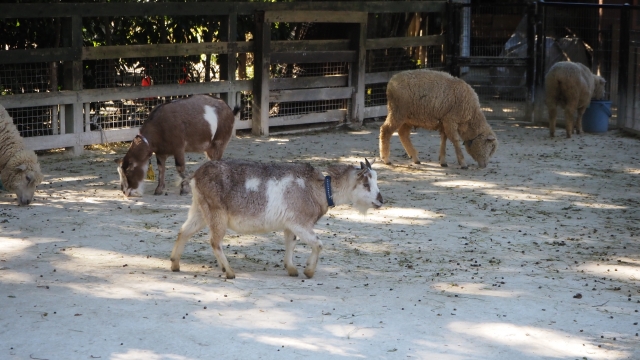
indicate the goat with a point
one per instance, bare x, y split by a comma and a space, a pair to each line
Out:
200, 123
253, 197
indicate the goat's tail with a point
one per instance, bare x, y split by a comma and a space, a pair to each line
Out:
236, 111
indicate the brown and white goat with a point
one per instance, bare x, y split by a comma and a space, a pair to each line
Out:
252, 197
200, 123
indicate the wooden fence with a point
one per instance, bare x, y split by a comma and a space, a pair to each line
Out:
73, 103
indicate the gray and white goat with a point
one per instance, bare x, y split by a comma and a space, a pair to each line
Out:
253, 197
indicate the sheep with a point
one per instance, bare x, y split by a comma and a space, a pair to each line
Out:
19, 168
200, 123
571, 86
435, 100
253, 197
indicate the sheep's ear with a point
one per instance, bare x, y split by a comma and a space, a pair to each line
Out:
491, 138
21, 167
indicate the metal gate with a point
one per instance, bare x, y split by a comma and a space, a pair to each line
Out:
489, 50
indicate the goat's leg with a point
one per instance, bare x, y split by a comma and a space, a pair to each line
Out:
443, 149
451, 132
553, 112
215, 151
194, 223
386, 130
289, 245
569, 118
218, 227
404, 132
180, 166
581, 111
308, 236
161, 160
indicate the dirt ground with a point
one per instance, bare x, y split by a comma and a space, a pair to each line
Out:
535, 257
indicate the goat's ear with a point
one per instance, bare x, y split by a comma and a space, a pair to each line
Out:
491, 138
118, 161
367, 163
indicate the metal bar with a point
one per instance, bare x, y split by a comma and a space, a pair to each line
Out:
624, 70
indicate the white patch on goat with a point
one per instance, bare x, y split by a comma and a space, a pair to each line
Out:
212, 118
300, 182
252, 184
276, 202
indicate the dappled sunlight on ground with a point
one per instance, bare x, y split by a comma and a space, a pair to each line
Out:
315, 345
530, 258
536, 341
475, 289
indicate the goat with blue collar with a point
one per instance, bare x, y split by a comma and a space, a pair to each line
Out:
254, 197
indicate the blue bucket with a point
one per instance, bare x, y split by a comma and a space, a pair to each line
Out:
596, 117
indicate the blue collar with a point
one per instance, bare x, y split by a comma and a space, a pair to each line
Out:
327, 191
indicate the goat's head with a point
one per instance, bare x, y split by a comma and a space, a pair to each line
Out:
482, 148
22, 178
598, 89
133, 167
366, 194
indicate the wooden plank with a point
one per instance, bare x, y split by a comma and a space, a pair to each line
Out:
315, 16
398, 42
488, 61
379, 77
314, 118
310, 94
66, 97
308, 82
306, 57
309, 45
375, 111
79, 139
129, 51
117, 9
38, 55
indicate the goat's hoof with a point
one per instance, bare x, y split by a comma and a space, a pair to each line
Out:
185, 191
158, 192
444, 165
292, 272
231, 276
464, 167
175, 268
309, 273
417, 162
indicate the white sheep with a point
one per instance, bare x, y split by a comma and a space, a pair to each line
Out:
19, 169
435, 100
252, 197
571, 86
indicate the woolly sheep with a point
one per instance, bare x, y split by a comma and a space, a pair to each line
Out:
19, 168
571, 86
435, 100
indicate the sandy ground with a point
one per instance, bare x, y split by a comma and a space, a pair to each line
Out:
535, 257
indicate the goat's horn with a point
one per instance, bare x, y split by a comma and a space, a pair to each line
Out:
362, 165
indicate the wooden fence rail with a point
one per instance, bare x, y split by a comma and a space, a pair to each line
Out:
72, 103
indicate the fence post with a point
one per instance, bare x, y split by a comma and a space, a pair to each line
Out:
624, 70
73, 81
261, 69
453, 38
540, 65
531, 63
228, 33
357, 73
